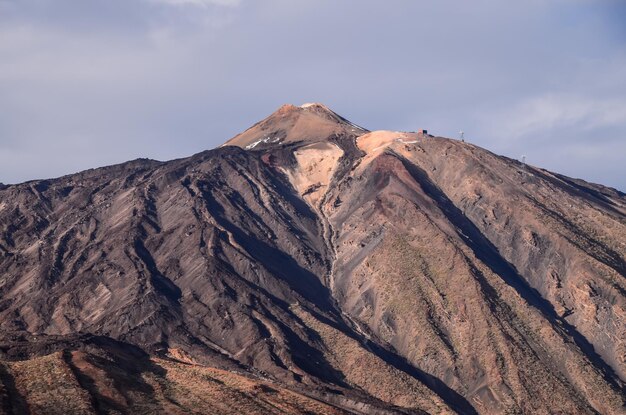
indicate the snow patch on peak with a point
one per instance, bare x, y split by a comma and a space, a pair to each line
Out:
316, 105
265, 140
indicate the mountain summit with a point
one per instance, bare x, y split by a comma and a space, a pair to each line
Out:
309, 122
311, 266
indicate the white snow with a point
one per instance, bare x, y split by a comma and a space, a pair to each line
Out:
263, 140
406, 142
251, 146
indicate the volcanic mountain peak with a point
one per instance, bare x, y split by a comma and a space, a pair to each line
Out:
309, 123
318, 107
336, 271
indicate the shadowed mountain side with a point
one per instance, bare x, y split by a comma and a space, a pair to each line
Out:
104, 377
488, 254
567, 247
311, 266
410, 277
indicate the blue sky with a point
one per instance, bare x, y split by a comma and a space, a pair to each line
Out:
85, 83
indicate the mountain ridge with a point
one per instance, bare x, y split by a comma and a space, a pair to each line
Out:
400, 270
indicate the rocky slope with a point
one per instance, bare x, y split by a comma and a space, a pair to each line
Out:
315, 267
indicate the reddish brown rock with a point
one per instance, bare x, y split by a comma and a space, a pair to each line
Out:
315, 266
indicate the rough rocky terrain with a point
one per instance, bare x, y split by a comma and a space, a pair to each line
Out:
311, 266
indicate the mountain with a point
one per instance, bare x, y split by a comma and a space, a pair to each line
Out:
289, 124
309, 265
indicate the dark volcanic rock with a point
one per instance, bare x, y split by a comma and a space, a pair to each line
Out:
377, 272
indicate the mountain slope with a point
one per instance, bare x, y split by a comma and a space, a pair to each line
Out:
109, 377
290, 124
376, 271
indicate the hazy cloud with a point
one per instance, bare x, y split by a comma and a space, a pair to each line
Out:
204, 3
95, 82
553, 111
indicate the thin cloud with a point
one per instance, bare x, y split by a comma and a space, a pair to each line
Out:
201, 3
84, 84
557, 111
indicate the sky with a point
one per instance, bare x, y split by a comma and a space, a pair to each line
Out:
87, 83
